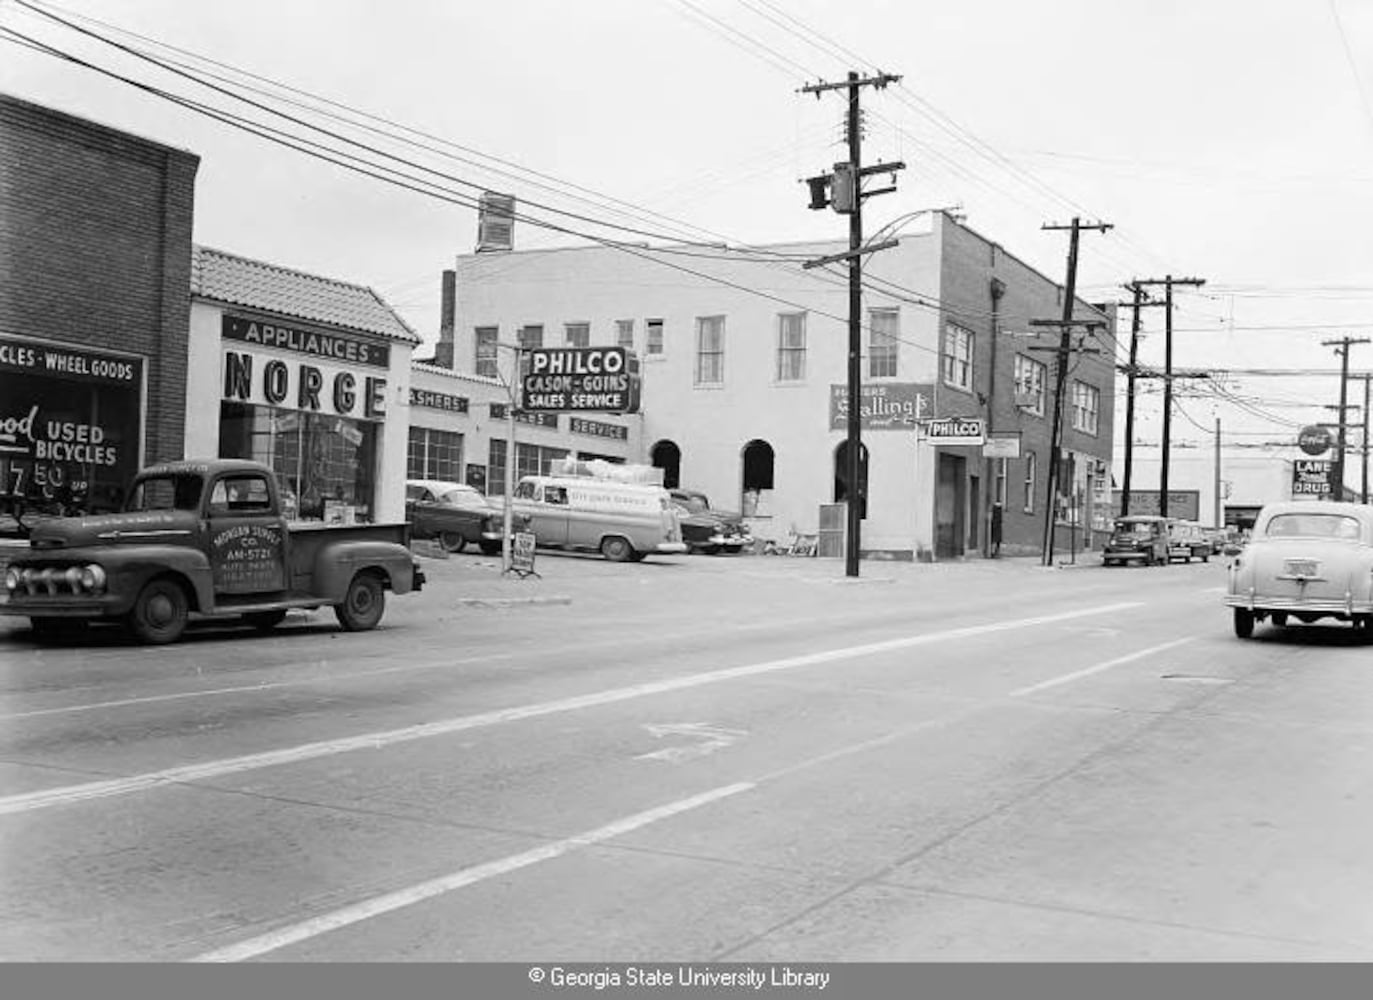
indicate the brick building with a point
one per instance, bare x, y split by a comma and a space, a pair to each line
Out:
744, 365
95, 255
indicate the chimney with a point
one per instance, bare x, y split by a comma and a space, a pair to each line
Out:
448, 307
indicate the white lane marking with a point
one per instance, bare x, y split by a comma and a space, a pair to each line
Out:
375, 741
263, 686
708, 739
390, 901
1078, 674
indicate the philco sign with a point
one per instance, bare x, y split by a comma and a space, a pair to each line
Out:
588, 379
956, 430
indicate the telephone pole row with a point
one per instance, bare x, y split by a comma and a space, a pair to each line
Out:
1342, 349
1064, 349
1167, 282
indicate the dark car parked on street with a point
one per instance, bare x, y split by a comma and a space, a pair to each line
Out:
705, 529
455, 514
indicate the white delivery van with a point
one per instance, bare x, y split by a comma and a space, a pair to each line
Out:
622, 521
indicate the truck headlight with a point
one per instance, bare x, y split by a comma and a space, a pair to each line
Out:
93, 578
11, 579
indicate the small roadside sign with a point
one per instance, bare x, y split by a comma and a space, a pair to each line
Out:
522, 553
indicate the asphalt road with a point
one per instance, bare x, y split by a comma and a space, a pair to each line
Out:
695, 758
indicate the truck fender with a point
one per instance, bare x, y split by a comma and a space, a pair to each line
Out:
336, 563
134, 566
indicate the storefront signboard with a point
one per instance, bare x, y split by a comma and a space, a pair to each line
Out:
265, 379
581, 379
498, 412
331, 346
597, 428
70, 425
883, 406
956, 431
1312, 477
437, 400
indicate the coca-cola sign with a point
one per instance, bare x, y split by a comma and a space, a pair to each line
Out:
1314, 440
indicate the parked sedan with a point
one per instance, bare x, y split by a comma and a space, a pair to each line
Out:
455, 514
1305, 560
706, 529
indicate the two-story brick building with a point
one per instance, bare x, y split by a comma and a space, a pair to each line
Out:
95, 257
744, 361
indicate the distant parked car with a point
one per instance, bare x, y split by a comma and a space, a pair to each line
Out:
1187, 541
455, 514
1142, 537
706, 529
1305, 560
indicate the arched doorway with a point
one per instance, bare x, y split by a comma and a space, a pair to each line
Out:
841, 476
667, 456
757, 458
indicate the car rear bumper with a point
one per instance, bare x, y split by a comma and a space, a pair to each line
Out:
1286, 602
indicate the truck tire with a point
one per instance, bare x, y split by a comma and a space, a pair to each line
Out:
265, 621
363, 604
452, 541
1244, 623
160, 613
617, 549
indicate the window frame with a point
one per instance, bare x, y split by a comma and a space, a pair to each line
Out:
956, 358
887, 348
715, 355
1086, 407
795, 353
577, 334
655, 341
1024, 364
1031, 481
484, 360
624, 334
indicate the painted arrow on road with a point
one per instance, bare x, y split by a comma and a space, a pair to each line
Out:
710, 738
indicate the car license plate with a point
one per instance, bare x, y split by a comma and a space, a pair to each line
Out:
1301, 567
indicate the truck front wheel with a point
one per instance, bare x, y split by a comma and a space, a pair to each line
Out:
363, 605
159, 615
617, 549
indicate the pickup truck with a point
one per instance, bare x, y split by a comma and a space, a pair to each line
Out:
206, 538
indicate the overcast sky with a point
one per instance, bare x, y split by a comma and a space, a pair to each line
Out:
1230, 140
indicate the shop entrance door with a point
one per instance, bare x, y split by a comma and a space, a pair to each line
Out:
950, 500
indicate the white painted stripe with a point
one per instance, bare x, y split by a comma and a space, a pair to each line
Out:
391, 901
1079, 674
330, 677
375, 741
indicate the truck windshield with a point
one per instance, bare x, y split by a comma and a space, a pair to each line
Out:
165, 493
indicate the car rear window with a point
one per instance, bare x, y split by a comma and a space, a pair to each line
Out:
1312, 526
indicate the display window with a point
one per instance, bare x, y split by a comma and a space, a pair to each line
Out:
70, 429
325, 465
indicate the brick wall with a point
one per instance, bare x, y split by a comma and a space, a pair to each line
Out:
95, 248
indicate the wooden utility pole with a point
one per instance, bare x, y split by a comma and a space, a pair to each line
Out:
1342, 349
1168, 282
1065, 344
1141, 300
843, 191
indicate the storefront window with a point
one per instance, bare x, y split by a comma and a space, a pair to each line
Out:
325, 465
70, 429
434, 454
530, 460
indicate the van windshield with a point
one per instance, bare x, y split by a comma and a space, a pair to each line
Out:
1136, 529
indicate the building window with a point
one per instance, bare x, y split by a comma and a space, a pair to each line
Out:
710, 350
530, 460
434, 454
531, 337
1031, 469
486, 351
999, 484
1029, 384
791, 347
654, 344
577, 334
958, 357
1086, 405
624, 333
325, 465
883, 336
